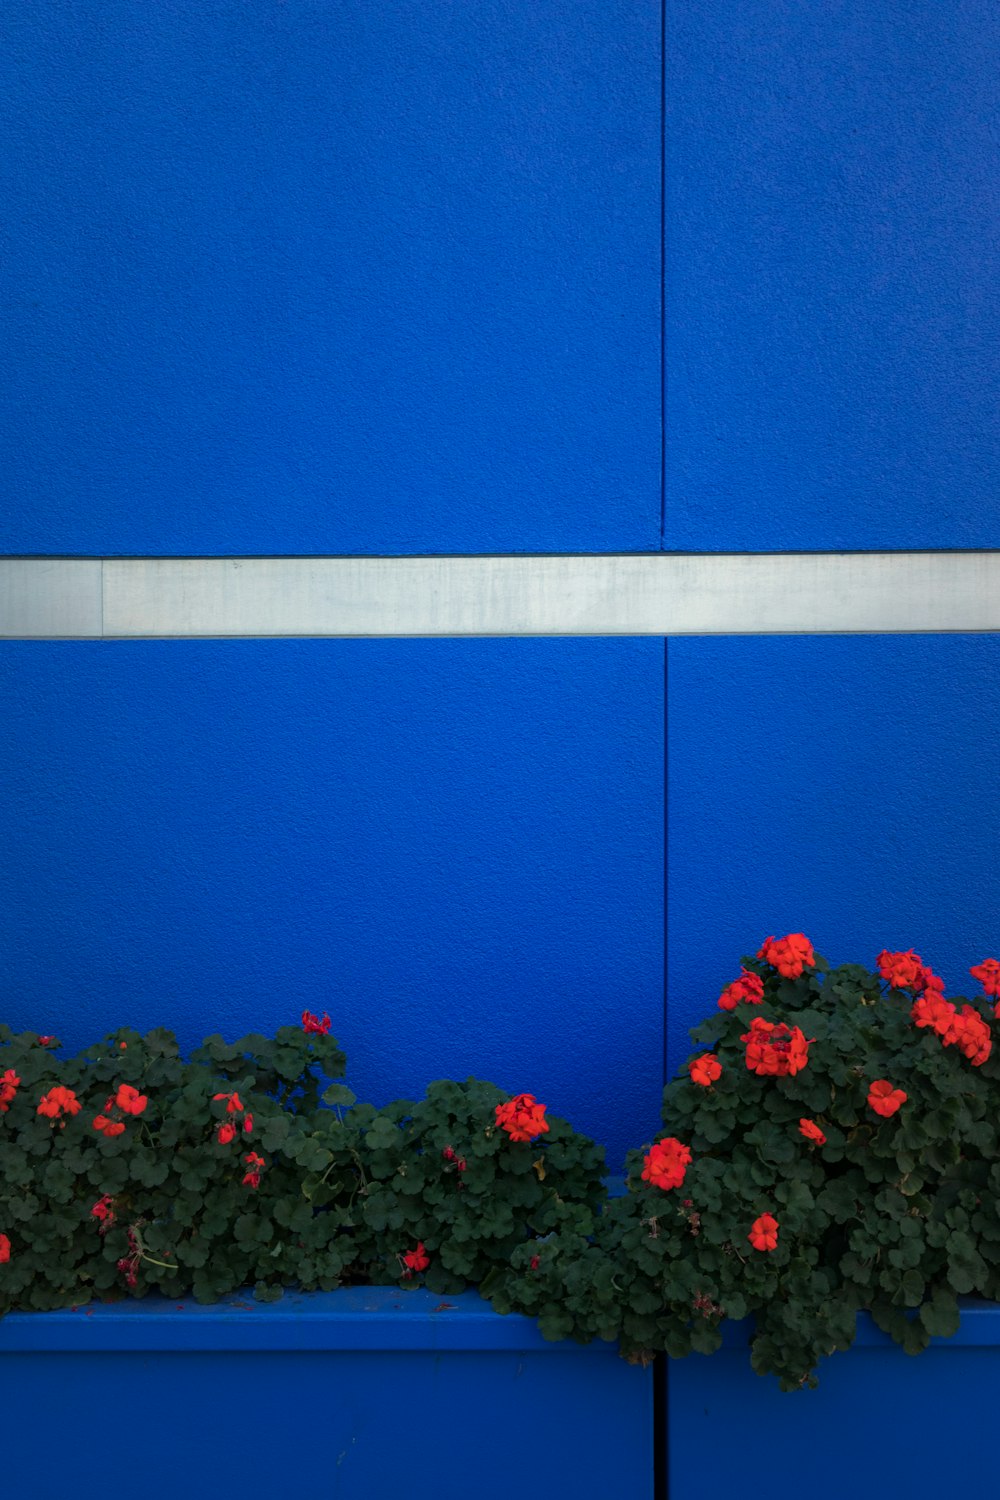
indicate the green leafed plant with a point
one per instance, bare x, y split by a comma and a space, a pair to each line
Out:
831, 1147
128, 1170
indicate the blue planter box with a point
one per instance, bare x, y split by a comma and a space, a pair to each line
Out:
881, 1422
361, 1394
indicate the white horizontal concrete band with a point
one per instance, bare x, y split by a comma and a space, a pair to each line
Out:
50, 598
657, 594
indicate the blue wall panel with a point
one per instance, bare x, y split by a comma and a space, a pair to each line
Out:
455, 847
833, 275
253, 1401
293, 276
867, 1396
845, 787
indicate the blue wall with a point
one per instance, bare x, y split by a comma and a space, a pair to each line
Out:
832, 337
298, 277
841, 786
833, 274
319, 276
454, 847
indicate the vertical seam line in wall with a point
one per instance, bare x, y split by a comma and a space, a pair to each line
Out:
663, 274
666, 859
661, 1464
101, 637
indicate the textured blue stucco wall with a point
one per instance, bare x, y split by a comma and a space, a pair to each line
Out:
845, 787
297, 277
454, 847
469, 1386
833, 275
293, 276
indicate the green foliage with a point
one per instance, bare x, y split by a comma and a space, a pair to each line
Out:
832, 1147
248, 1166
444, 1174
893, 1214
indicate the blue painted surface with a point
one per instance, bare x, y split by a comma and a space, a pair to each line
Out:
373, 1318
833, 275
845, 787
454, 847
469, 1406
879, 1423
301, 277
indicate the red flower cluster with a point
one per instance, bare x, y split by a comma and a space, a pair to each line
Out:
884, 1099
764, 1233
789, 955
811, 1131
522, 1118
48, 1041
705, 1069
907, 971
104, 1212
127, 1101
749, 988
8, 1088
253, 1164
460, 1162
57, 1102
227, 1130
900, 970
963, 1028
311, 1024
4, 1249
666, 1163
774, 1049
988, 974
416, 1260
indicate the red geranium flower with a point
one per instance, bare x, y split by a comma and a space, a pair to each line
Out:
8, 1088
107, 1127
522, 1118
789, 955
988, 974
963, 1028
774, 1049
416, 1260
234, 1105
884, 1099
129, 1100
4, 1249
902, 970
812, 1132
665, 1163
705, 1069
764, 1233
59, 1101
937, 1013
254, 1164
48, 1041
972, 1035
226, 1133
749, 988
311, 1023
